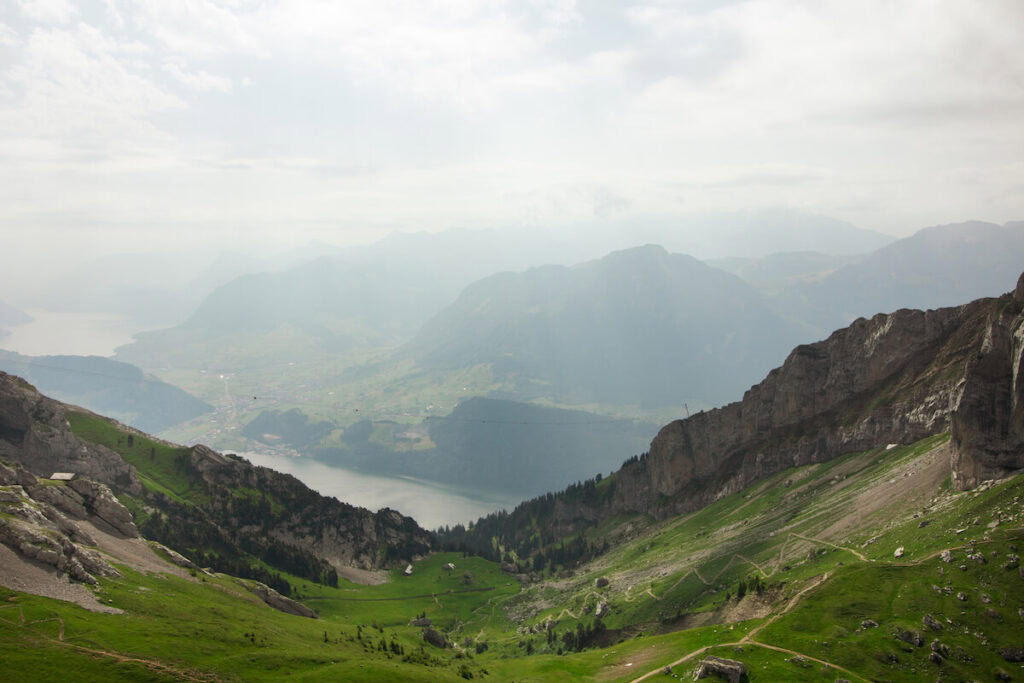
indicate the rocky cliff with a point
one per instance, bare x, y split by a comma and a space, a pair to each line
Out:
895, 378
224, 509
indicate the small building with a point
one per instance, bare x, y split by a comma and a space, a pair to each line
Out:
408, 570
62, 476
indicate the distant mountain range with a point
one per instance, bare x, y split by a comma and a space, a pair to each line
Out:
381, 294
935, 267
640, 326
103, 385
640, 330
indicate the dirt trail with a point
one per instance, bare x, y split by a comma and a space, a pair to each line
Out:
749, 638
818, 540
792, 603
152, 664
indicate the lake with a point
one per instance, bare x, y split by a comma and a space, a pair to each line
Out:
53, 333
431, 505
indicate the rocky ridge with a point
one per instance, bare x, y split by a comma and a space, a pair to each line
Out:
895, 378
307, 527
37, 522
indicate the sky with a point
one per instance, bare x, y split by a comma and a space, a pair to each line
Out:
199, 123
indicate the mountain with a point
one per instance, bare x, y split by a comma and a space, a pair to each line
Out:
785, 270
107, 386
381, 294
820, 540
894, 379
219, 510
484, 444
639, 326
938, 266
749, 233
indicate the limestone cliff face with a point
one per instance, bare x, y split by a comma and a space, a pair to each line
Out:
895, 378
34, 431
988, 418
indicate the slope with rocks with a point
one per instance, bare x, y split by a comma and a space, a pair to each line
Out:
216, 508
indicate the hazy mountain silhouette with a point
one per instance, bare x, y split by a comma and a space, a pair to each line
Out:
107, 386
640, 326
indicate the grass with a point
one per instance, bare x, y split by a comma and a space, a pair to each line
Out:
813, 607
161, 467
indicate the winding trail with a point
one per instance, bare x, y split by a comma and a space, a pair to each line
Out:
833, 545
749, 638
152, 664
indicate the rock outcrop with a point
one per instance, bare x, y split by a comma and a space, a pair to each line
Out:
286, 520
895, 378
278, 601
34, 431
988, 418
729, 669
35, 529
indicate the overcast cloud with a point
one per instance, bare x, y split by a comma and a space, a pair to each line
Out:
222, 121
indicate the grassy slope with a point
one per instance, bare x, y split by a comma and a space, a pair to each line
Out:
814, 606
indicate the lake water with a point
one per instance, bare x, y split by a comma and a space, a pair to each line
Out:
78, 334
430, 505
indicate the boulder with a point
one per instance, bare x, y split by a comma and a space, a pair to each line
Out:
911, 637
434, 638
1012, 654
946, 556
729, 669
932, 623
899, 552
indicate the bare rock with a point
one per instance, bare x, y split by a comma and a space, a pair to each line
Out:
932, 623
278, 601
961, 596
729, 669
940, 648
1012, 654
175, 557
898, 553
946, 556
911, 637
100, 501
869, 623
60, 496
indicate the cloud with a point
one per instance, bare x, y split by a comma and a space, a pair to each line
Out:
48, 11
72, 91
200, 80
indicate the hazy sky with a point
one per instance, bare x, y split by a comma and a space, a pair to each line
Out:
341, 120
